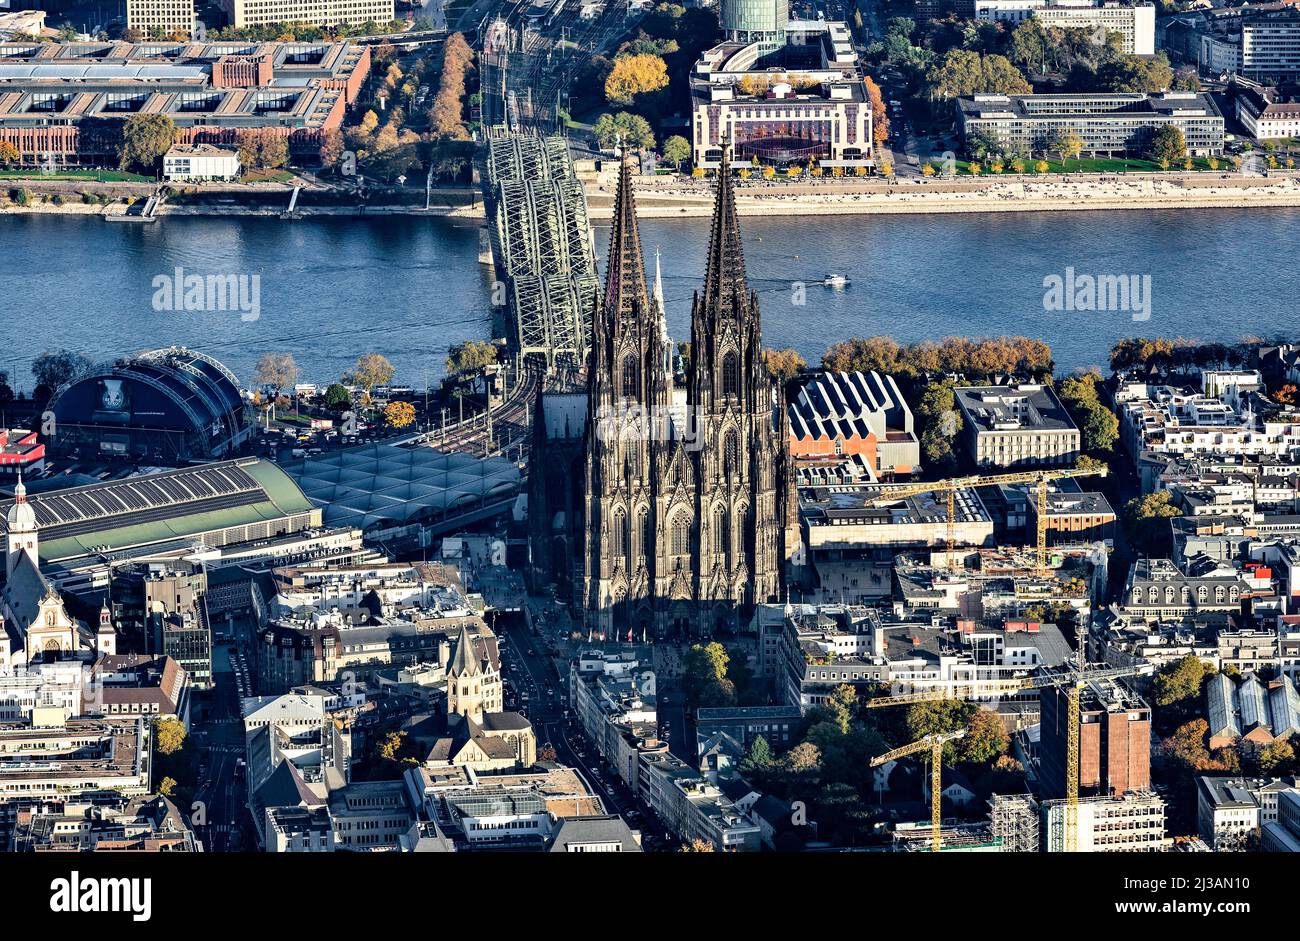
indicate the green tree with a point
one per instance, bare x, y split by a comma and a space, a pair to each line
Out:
337, 397
758, 760
1181, 680
961, 73
1168, 143
985, 740
1147, 521
1275, 758
470, 357
629, 130
704, 676
677, 150
145, 138
944, 715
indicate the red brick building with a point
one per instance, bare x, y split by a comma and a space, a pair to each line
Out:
67, 102
1114, 741
855, 413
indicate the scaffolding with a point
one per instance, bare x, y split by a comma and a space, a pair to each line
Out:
1014, 821
541, 244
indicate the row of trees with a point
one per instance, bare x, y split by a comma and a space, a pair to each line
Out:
446, 117
977, 358
1178, 353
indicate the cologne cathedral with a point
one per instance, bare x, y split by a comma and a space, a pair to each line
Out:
658, 496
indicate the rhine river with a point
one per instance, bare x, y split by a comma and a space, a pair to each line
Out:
332, 288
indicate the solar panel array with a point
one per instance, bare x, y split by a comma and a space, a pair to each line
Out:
156, 491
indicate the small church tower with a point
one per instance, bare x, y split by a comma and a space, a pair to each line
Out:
106, 634
22, 538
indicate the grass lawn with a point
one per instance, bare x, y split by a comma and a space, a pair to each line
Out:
1095, 165
98, 176
266, 176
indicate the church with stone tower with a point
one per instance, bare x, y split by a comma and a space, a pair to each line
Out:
658, 498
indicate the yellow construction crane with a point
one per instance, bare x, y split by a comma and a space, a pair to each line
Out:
1073, 678
1039, 478
934, 743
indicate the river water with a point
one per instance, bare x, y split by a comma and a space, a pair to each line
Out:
332, 288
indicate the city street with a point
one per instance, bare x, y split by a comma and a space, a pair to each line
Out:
222, 785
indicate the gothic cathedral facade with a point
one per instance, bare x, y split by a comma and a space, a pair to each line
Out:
680, 521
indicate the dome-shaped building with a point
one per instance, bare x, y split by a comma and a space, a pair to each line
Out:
166, 406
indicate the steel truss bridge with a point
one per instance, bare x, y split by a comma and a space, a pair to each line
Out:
541, 244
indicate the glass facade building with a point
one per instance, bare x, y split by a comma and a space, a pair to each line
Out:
755, 20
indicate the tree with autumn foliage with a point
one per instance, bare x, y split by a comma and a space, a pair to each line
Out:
696, 846
634, 75
879, 115
446, 117
784, 365
1187, 748
399, 414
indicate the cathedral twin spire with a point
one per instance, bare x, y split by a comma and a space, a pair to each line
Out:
726, 288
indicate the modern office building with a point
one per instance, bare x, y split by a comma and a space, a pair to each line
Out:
804, 101
314, 12
161, 19
754, 20
1135, 22
1109, 123
68, 101
1270, 43
1023, 425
